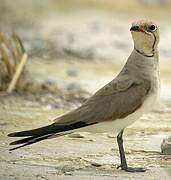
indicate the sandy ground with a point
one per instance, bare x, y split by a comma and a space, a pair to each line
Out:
82, 156
81, 50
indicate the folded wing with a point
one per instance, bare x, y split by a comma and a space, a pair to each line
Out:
116, 100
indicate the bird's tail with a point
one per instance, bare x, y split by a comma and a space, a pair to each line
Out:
46, 132
36, 135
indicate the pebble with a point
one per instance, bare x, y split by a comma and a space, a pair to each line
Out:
166, 146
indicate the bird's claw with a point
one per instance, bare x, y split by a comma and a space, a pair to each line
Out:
131, 169
118, 166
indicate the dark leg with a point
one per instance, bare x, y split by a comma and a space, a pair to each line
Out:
123, 158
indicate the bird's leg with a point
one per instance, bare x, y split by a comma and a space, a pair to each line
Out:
124, 165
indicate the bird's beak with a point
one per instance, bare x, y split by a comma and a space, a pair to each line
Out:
135, 28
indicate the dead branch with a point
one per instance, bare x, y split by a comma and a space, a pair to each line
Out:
17, 74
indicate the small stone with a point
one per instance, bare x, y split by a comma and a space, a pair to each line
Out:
166, 146
48, 107
72, 72
68, 173
76, 135
96, 164
110, 135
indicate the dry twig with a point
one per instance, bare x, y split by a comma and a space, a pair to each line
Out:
12, 59
17, 74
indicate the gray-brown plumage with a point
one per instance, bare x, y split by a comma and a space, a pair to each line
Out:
111, 102
119, 103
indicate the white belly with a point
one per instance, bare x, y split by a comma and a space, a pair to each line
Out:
117, 125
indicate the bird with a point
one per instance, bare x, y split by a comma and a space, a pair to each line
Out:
132, 93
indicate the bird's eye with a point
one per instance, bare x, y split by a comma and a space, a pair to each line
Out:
152, 27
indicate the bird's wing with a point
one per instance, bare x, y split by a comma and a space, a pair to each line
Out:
116, 100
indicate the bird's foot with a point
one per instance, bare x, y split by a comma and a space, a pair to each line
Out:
131, 169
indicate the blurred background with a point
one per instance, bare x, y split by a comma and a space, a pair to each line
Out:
75, 47
91, 33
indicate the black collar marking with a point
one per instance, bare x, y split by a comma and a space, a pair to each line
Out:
152, 48
143, 53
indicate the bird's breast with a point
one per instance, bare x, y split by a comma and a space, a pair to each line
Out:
117, 125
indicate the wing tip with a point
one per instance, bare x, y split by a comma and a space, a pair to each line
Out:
17, 134
12, 149
13, 143
11, 135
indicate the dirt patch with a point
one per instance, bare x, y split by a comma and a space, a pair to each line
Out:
72, 54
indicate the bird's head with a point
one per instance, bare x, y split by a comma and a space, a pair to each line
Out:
146, 37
